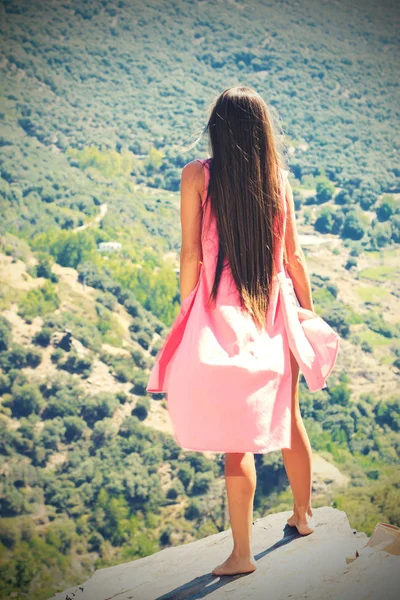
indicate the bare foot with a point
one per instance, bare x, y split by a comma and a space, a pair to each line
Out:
304, 525
235, 566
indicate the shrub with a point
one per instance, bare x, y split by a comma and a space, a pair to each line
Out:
379, 325
5, 384
350, 263
5, 333
44, 267
52, 433
26, 400
57, 355
387, 208
42, 337
39, 301
122, 373
156, 347
122, 396
140, 359
64, 396
136, 325
62, 534
144, 340
337, 318
329, 220
74, 428
192, 511
387, 412
380, 234
325, 189
12, 502
107, 300
68, 248
201, 483
75, 363
366, 347
165, 538
185, 475
340, 394
140, 383
395, 227
333, 289
172, 494
19, 357
342, 197
141, 409
354, 226
103, 431
98, 407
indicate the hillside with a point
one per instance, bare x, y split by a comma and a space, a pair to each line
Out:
96, 92
99, 106
91, 474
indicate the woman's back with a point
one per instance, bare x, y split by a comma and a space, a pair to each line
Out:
227, 290
227, 381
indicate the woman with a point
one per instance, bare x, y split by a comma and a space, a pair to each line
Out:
227, 367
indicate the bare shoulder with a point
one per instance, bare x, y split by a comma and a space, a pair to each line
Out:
192, 170
193, 174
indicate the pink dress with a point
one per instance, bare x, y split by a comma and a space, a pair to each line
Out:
228, 385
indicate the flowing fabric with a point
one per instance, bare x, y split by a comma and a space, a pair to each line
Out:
228, 384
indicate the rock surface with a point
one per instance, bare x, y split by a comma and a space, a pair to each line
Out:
289, 566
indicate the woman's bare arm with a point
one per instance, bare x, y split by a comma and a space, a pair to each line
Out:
294, 259
191, 218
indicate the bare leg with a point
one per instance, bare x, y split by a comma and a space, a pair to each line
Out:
240, 478
298, 461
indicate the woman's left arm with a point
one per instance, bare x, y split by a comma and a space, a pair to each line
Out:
192, 181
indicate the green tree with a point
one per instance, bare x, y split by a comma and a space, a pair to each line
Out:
5, 333
68, 248
26, 400
387, 208
387, 412
42, 337
186, 474
325, 220
103, 431
354, 226
39, 301
52, 434
62, 534
340, 394
337, 318
74, 428
395, 226
154, 160
325, 189
141, 409
98, 407
381, 234
44, 266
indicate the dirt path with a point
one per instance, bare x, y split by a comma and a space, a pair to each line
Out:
96, 220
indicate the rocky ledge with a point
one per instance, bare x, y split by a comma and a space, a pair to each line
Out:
289, 566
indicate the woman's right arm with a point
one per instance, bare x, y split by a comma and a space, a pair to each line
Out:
294, 259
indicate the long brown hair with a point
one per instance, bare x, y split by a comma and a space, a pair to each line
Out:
245, 195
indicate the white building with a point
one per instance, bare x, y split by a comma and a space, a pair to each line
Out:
109, 247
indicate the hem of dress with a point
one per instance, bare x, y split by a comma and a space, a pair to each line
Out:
254, 450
